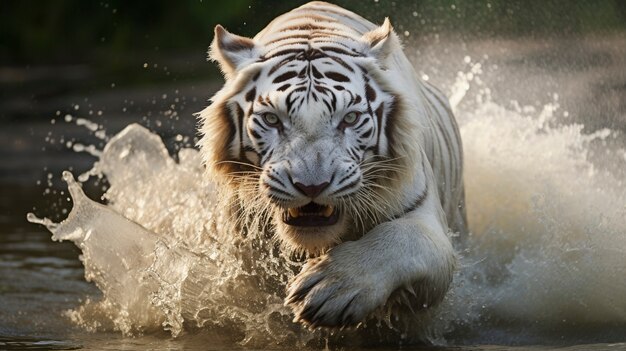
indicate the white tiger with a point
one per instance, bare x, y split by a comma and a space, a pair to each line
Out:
324, 129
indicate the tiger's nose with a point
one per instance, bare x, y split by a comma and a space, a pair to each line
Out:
311, 190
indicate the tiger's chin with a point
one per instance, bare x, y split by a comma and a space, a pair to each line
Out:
312, 228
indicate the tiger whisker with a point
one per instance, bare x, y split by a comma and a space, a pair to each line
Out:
382, 168
239, 163
381, 158
368, 198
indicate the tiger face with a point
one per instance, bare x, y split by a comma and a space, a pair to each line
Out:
302, 130
313, 124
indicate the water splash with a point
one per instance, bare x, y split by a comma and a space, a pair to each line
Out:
549, 226
181, 265
547, 250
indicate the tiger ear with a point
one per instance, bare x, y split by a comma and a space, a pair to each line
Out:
231, 51
382, 40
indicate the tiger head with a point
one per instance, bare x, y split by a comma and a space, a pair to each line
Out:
304, 131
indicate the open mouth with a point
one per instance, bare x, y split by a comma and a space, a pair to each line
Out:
311, 215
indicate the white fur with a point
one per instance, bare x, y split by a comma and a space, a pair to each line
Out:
356, 273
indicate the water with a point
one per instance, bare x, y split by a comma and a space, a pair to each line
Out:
545, 266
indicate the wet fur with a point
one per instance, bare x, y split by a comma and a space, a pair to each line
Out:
394, 245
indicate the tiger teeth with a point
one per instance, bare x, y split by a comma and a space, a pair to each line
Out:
296, 212
328, 211
293, 212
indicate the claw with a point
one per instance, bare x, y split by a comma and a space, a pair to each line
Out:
319, 319
410, 289
302, 291
310, 311
348, 320
343, 315
408, 304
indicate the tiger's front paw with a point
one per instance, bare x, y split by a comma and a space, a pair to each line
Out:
336, 291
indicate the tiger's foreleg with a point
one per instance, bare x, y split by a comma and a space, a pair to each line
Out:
355, 278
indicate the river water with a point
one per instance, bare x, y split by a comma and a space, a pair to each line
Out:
543, 127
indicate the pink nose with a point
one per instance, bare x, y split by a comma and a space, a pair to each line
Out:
311, 190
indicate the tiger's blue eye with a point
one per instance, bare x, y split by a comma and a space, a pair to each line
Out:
271, 119
350, 118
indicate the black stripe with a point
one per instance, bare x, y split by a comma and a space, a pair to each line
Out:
284, 52
339, 51
301, 27
275, 179
389, 122
336, 76
258, 123
285, 76
331, 35
343, 63
286, 37
320, 88
254, 134
317, 74
363, 121
278, 65
419, 201
354, 153
370, 93
379, 117
276, 190
364, 71
289, 99
330, 109
348, 176
261, 100
302, 73
240, 115
226, 116
367, 133
266, 156
351, 185
310, 54
250, 95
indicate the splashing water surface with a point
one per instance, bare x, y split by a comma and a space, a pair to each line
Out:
546, 255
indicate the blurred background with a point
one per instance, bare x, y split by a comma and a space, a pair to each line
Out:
73, 73
115, 62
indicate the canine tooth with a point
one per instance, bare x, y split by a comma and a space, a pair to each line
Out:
328, 211
293, 212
